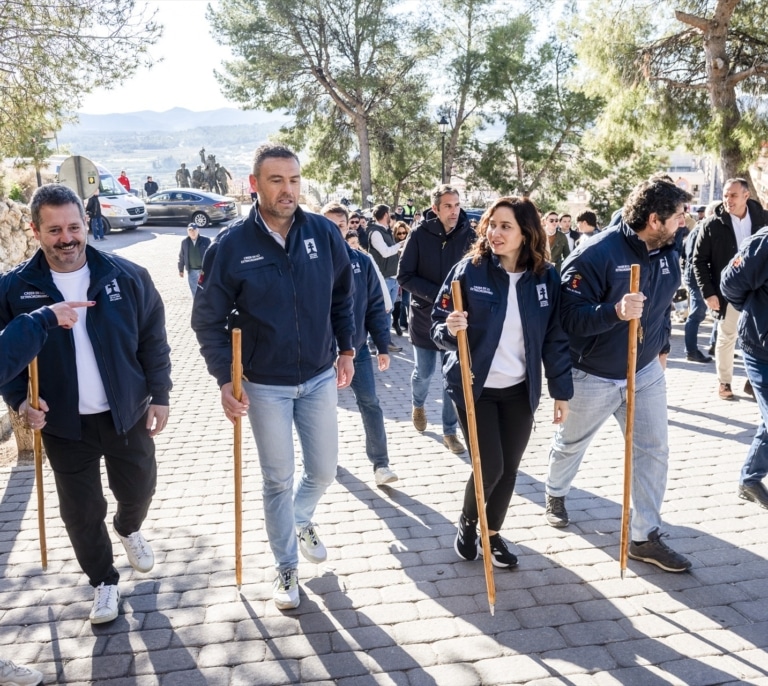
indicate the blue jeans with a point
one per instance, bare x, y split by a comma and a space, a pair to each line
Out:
756, 465
392, 287
97, 228
406, 300
697, 310
364, 387
273, 412
423, 369
193, 276
594, 400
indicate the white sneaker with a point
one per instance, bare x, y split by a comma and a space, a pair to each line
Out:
105, 601
310, 545
285, 591
139, 552
384, 475
14, 675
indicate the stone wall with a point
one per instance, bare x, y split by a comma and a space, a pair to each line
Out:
17, 242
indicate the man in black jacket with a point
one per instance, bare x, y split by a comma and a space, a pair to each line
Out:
718, 241
385, 251
430, 252
191, 255
744, 284
93, 212
150, 187
104, 386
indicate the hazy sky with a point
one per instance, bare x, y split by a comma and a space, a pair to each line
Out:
185, 76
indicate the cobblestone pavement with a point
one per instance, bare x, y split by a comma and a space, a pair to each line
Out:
393, 605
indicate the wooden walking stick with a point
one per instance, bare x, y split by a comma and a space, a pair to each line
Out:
237, 391
474, 448
634, 287
34, 402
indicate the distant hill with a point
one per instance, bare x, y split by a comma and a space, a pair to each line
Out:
176, 119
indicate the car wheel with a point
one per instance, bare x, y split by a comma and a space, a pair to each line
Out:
107, 228
200, 219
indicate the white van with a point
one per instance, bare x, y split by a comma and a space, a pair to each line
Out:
119, 208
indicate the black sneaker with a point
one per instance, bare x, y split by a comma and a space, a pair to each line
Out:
658, 553
465, 544
557, 515
500, 555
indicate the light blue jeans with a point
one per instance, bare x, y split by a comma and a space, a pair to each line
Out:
423, 369
193, 276
594, 400
273, 412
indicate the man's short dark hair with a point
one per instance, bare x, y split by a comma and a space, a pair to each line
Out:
53, 194
440, 191
271, 150
563, 216
744, 183
587, 216
657, 195
380, 211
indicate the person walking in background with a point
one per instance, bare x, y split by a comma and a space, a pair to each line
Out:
718, 240
93, 212
505, 281
150, 187
191, 255
288, 275
370, 319
400, 311
429, 254
697, 307
104, 387
124, 181
385, 251
586, 223
596, 308
744, 284
557, 243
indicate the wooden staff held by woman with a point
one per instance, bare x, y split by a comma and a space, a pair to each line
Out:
510, 315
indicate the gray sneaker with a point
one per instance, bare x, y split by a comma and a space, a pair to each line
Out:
16, 675
658, 553
310, 545
557, 515
285, 590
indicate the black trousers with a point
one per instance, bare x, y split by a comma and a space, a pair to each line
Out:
504, 424
132, 477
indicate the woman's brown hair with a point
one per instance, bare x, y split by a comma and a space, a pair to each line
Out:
533, 253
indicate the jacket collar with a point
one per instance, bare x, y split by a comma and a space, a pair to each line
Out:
435, 226
36, 271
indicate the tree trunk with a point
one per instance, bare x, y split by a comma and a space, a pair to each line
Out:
361, 128
23, 435
722, 93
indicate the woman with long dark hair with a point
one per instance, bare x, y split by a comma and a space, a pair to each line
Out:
511, 312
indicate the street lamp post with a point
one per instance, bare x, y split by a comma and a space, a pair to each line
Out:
443, 124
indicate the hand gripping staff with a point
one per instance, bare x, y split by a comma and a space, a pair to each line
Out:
634, 287
237, 391
34, 402
474, 447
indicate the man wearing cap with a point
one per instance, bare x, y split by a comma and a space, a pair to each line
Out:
191, 255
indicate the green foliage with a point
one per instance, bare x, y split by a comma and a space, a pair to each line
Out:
657, 69
53, 52
340, 61
16, 193
543, 119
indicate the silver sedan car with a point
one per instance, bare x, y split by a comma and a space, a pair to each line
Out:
190, 205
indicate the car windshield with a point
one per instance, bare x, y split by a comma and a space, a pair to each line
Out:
109, 185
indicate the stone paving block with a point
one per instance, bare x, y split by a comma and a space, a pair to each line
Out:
531, 641
266, 673
164, 661
233, 653
546, 615
580, 659
456, 675
96, 669
203, 634
638, 676
202, 677
564, 593
403, 658
391, 679
334, 666
510, 669
155, 639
